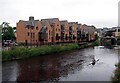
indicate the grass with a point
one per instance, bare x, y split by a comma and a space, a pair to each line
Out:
116, 78
23, 52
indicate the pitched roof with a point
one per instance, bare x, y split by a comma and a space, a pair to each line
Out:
43, 23
78, 27
50, 20
63, 22
71, 23
43, 29
89, 29
30, 22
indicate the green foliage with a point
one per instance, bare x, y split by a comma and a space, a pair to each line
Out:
116, 78
87, 36
22, 52
96, 43
118, 42
7, 31
108, 33
106, 42
96, 37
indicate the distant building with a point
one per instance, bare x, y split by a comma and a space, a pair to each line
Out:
117, 33
88, 31
99, 32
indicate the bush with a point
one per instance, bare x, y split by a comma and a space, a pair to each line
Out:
22, 52
118, 42
96, 43
116, 78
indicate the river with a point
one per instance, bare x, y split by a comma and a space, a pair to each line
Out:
70, 66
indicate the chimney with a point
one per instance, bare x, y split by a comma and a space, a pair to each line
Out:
31, 18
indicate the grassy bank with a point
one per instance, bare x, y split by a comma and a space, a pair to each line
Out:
116, 78
23, 52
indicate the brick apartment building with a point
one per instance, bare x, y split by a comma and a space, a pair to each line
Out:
64, 31
52, 30
88, 30
28, 31
79, 32
73, 31
56, 29
45, 34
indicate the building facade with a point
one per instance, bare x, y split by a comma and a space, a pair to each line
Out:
64, 31
52, 31
88, 33
73, 31
56, 29
28, 31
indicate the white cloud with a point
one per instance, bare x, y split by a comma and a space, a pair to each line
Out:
97, 12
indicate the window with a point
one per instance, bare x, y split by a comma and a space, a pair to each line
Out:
28, 33
37, 28
33, 35
28, 26
56, 29
49, 32
118, 30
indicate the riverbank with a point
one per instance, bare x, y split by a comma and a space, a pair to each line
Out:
116, 78
23, 52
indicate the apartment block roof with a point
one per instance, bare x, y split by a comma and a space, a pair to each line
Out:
63, 22
50, 20
89, 29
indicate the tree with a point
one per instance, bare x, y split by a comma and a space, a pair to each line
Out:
7, 32
108, 33
96, 37
87, 37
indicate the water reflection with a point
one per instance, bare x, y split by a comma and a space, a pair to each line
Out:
38, 70
64, 66
9, 71
48, 68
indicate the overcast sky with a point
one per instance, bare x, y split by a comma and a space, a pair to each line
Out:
100, 13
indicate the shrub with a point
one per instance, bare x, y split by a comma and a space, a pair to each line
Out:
23, 52
116, 78
118, 42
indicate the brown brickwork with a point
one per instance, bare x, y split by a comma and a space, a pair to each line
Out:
52, 31
46, 33
64, 31
73, 31
27, 31
56, 28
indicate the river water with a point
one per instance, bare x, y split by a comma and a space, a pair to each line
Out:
70, 66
